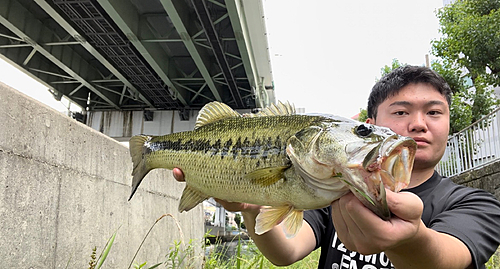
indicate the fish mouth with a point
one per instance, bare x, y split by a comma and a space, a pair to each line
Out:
392, 163
387, 165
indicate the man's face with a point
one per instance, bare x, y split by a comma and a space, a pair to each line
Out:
421, 112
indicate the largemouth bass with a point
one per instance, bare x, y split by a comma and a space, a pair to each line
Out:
282, 160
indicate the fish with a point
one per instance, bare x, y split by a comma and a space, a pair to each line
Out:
279, 159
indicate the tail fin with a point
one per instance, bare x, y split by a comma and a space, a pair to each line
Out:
136, 147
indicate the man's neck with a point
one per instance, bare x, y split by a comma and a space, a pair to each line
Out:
419, 176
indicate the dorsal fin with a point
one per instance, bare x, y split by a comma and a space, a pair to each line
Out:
280, 109
213, 112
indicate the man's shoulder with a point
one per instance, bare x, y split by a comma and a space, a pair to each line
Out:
439, 187
448, 186
441, 194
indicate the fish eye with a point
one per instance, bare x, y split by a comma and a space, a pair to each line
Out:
364, 130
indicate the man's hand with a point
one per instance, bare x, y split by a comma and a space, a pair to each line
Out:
405, 239
362, 231
229, 206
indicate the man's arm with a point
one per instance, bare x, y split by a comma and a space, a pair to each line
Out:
404, 238
273, 244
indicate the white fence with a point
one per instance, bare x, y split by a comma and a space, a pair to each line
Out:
473, 147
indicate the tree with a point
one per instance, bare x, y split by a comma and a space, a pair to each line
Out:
363, 114
470, 53
471, 39
460, 110
388, 69
237, 219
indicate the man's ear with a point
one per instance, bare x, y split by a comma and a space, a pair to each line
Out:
370, 121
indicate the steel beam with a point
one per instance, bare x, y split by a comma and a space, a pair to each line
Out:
213, 38
239, 29
66, 26
32, 31
178, 13
128, 20
245, 19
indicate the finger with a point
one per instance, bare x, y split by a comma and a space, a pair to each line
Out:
338, 218
365, 230
347, 230
405, 205
339, 224
178, 174
235, 207
230, 206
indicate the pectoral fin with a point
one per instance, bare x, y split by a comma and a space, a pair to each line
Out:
272, 216
190, 198
267, 176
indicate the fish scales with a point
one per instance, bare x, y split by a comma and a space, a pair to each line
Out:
227, 149
243, 137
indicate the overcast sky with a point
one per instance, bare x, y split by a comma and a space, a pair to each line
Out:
18, 80
325, 55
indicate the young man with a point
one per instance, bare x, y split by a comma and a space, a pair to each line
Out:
435, 223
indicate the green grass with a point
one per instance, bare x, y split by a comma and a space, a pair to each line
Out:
182, 255
246, 256
251, 257
494, 262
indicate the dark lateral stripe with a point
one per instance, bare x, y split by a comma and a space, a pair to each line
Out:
260, 147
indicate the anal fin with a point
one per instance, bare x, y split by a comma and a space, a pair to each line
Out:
190, 198
271, 216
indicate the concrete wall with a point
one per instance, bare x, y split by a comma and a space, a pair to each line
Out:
486, 178
64, 189
122, 125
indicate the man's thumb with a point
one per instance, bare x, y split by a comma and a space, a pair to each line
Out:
405, 205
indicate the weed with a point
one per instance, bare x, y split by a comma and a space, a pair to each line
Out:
97, 263
494, 262
178, 256
93, 259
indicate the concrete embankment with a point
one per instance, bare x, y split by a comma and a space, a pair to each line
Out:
64, 189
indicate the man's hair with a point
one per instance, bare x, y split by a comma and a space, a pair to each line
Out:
392, 83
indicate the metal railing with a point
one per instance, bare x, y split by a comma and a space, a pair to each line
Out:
473, 147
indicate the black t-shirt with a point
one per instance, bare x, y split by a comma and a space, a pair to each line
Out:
471, 215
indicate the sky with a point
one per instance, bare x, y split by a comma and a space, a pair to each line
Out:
325, 55
18, 80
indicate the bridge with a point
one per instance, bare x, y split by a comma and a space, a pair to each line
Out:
149, 55
141, 66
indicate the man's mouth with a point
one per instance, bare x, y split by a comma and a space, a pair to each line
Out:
421, 141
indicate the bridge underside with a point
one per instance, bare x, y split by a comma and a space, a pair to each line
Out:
141, 54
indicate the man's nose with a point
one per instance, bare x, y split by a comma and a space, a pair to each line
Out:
418, 123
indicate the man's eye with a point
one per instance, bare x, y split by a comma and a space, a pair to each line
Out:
434, 113
399, 113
